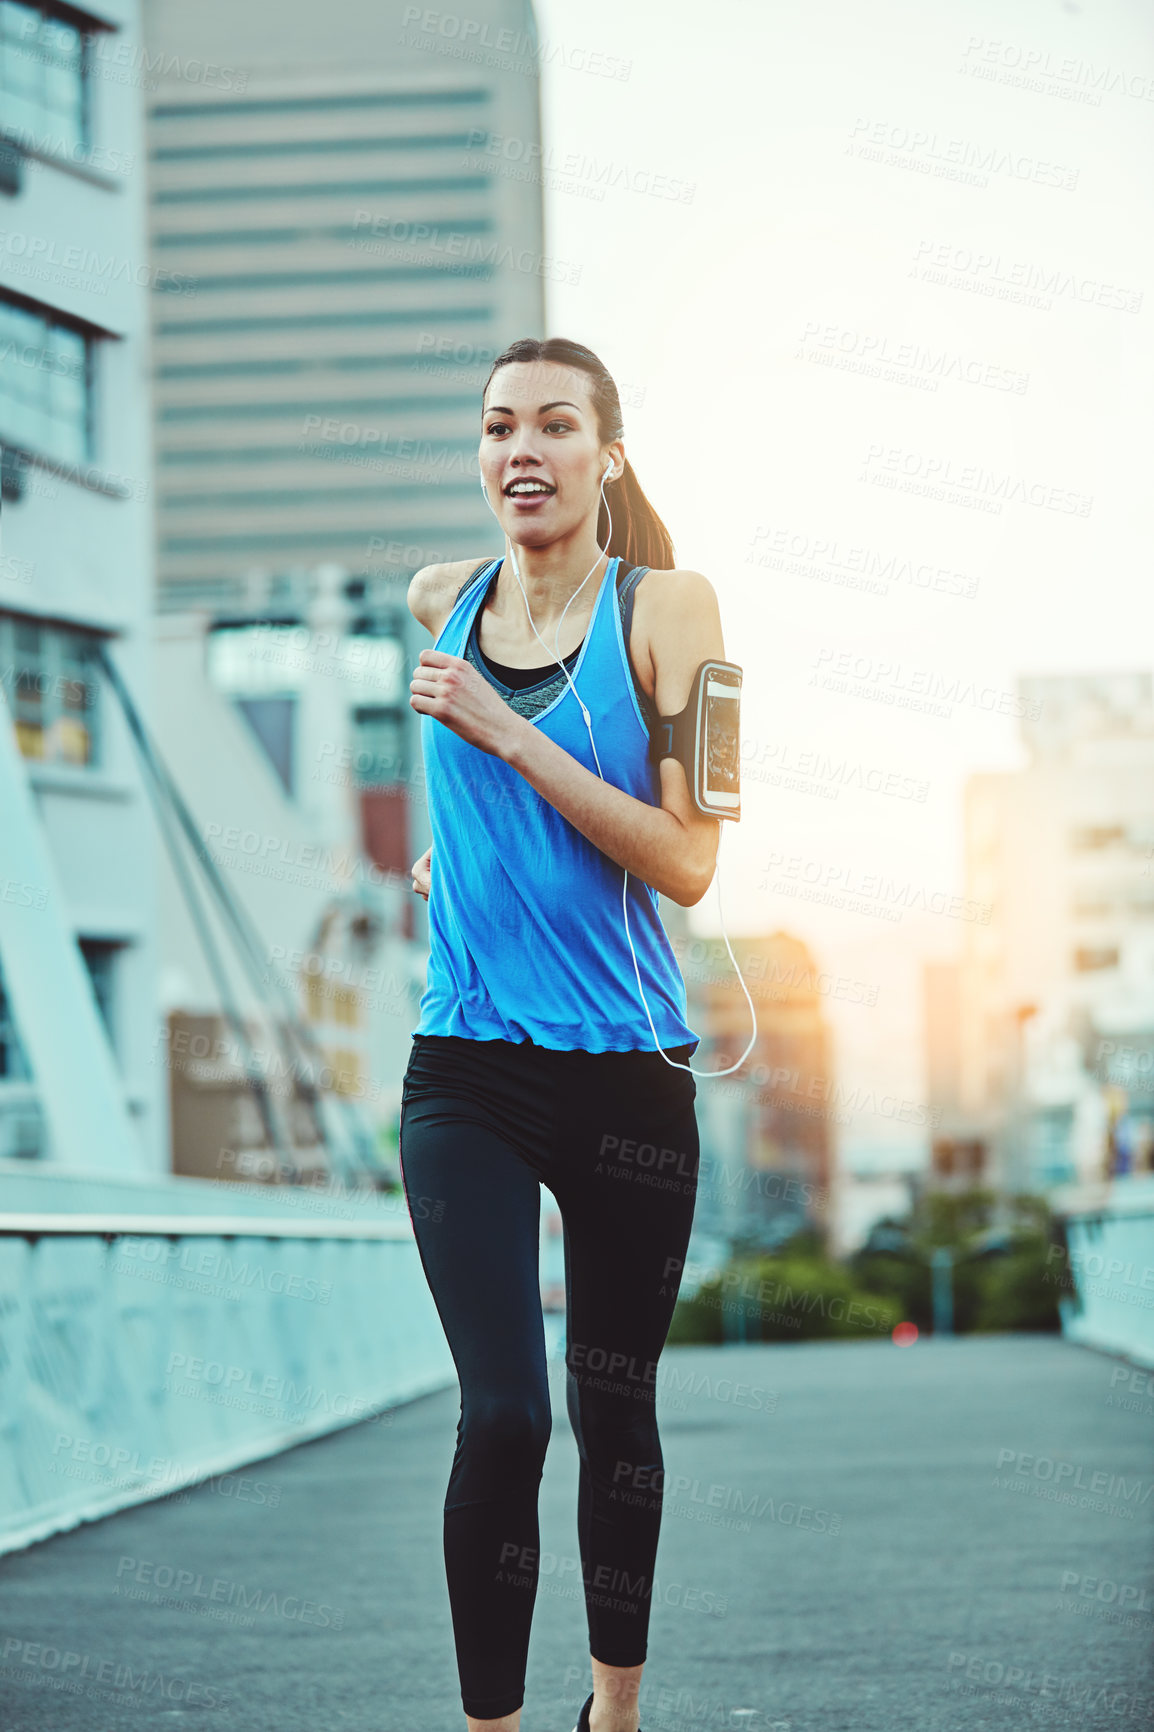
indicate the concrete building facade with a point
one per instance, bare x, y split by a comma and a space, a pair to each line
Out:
1055, 991
79, 1078
344, 255
769, 1131
351, 230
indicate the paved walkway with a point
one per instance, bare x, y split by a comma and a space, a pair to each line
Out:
869, 1539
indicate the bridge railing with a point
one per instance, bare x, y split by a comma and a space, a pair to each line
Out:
1105, 1278
141, 1352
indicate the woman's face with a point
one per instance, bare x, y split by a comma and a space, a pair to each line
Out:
541, 456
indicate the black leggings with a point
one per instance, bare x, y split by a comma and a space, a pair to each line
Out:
614, 1136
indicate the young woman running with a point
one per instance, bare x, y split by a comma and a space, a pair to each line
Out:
535, 1060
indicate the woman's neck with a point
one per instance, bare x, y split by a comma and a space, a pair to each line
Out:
550, 581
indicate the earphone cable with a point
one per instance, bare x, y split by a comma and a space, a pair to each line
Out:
675, 1064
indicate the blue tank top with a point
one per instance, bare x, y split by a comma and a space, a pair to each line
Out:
526, 927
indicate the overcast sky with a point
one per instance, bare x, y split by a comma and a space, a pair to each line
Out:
782, 180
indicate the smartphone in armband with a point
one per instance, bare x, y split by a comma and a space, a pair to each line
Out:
705, 738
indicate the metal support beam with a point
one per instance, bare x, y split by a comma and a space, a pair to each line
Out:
80, 1090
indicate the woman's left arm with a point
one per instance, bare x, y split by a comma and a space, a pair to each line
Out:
672, 846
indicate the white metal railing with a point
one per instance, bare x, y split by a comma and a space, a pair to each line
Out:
144, 1352
32, 1226
1106, 1278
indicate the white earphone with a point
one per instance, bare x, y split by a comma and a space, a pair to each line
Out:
674, 1064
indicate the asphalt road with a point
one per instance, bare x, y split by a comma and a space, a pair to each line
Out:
946, 1537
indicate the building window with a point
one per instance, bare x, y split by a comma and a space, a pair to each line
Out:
1090, 837
43, 94
51, 681
100, 959
14, 1065
959, 1158
1089, 958
258, 658
1090, 907
273, 721
378, 742
45, 375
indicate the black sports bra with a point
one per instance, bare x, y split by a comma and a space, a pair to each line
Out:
518, 678
530, 690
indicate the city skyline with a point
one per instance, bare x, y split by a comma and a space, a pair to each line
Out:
744, 356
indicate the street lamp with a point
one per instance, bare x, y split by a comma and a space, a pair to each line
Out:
942, 1290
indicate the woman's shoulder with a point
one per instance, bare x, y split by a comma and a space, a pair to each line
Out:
678, 596
676, 621
678, 581
434, 589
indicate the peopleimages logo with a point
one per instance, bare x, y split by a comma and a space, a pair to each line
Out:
950, 265
871, 352
894, 682
1022, 1687
1125, 1595
953, 158
1068, 1482
1029, 68
473, 250
194, 1586
893, 465
96, 1677
517, 50
46, 250
536, 158
56, 145
869, 892
136, 1250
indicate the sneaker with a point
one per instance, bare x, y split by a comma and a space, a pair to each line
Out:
583, 1718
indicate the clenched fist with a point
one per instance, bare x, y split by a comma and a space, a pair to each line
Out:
450, 689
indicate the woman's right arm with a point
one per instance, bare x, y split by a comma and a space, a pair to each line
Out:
431, 595
425, 593
433, 591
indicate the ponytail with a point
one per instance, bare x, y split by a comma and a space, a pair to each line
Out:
639, 536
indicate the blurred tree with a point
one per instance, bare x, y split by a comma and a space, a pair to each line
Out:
1005, 1277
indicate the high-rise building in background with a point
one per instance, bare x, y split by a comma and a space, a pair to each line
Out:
959, 1151
768, 1146
81, 1077
349, 223
1042, 1041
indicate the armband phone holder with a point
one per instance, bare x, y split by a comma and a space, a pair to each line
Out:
704, 737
